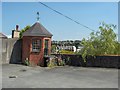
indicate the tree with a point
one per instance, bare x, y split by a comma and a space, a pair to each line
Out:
77, 43
102, 42
23, 30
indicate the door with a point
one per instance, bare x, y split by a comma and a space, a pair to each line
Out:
46, 49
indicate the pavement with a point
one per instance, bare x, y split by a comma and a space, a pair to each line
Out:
19, 76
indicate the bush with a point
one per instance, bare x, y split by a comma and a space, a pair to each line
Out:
51, 63
61, 63
102, 42
56, 61
26, 62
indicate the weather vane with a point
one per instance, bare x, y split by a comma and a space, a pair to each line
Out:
38, 16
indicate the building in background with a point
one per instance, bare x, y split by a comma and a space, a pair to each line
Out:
2, 36
16, 32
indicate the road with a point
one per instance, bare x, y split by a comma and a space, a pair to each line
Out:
58, 77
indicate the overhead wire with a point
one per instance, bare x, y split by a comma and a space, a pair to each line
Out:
68, 17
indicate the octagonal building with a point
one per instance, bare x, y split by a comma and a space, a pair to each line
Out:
36, 43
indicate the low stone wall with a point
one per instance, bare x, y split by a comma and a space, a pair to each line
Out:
98, 61
104, 61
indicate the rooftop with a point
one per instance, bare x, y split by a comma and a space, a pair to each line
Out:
2, 35
37, 29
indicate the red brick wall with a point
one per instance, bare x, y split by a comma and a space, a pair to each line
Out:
25, 48
36, 58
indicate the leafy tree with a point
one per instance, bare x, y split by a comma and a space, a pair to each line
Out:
23, 30
103, 42
77, 43
117, 50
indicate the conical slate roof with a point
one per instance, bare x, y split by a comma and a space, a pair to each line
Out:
37, 30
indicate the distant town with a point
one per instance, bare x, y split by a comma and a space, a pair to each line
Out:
70, 45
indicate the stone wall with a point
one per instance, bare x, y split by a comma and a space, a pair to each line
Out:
11, 50
97, 61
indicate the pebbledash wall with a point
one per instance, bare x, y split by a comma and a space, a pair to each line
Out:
11, 50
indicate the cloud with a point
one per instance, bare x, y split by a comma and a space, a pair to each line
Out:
9, 36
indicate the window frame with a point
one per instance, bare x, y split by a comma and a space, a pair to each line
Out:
36, 45
46, 48
46, 43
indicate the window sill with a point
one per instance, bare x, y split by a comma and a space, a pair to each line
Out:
35, 51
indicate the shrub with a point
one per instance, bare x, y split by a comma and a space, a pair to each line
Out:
56, 61
26, 62
102, 42
61, 63
51, 63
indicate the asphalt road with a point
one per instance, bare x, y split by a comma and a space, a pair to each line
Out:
59, 77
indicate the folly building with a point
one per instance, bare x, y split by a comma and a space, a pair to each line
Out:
36, 43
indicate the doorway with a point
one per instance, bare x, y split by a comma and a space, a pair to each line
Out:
46, 49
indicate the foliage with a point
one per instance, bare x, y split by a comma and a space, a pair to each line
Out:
67, 43
53, 48
102, 42
52, 63
56, 61
117, 50
61, 63
77, 43
23, 30
27, 62
66, 52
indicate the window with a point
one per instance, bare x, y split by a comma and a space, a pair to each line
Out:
36, 45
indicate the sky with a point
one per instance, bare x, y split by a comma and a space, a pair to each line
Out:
86, 13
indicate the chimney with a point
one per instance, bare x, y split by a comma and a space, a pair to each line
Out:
16, 32
17, 26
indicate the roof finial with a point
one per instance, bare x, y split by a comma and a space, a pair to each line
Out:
38, 17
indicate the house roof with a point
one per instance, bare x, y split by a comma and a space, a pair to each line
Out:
37, 30
2, 35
